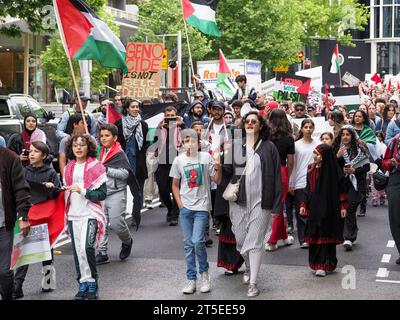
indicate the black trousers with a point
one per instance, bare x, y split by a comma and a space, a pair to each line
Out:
164, 183
289, 205
350, 223
6, 275
393, 192
299, 196
322, 257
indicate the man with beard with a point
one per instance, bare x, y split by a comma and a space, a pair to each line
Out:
103, 109
196, 113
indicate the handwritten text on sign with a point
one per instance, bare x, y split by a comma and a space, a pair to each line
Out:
144, 61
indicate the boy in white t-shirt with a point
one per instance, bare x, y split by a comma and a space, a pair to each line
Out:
192, 172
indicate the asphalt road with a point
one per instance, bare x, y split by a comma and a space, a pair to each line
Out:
156, 268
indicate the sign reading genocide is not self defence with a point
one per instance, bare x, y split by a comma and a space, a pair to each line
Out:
144, 61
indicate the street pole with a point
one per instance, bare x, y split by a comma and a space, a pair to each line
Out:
180, 67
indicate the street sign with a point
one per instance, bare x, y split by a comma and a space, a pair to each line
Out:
281, 69
165, 60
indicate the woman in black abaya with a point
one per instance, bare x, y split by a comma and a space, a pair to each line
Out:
325, 205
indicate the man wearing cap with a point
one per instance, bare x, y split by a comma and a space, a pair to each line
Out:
65, 118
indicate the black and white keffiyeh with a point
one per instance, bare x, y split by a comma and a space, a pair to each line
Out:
129, 124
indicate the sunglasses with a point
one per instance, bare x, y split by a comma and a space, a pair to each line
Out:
251, 121
301, 109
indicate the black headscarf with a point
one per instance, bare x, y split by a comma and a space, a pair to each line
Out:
29, 115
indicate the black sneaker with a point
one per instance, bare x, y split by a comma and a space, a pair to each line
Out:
83, 288
93, 292
102, 258
125, 250
361, 214
17, 291
173, 223
398, 261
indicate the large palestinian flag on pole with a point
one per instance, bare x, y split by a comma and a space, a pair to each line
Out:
224, 83
201, 15
86, 37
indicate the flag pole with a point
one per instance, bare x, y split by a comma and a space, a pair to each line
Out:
340, 71
77, 94
61, 31
190, 51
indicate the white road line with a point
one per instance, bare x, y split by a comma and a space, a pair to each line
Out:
60, 244
391, 244
386, 258
382, 273
388, 281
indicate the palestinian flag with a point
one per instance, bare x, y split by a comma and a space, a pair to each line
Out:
376, 78
224, 82
348, 96
201, 15
335, 63
86, 37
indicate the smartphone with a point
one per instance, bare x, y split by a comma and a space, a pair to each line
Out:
25, 152
168, 120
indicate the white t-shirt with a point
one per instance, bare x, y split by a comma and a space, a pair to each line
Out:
194, 173
78, 207
302, 158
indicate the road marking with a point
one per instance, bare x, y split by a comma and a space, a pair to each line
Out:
60, 244
391, 244
386, 258
382, 273
388, 281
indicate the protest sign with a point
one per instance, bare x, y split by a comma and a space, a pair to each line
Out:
291, 87
33, 248
314, 96
144, 61
321, 126
350, 79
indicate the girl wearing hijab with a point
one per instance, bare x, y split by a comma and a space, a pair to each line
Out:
132, 132
20, 142
353, 158
325, 206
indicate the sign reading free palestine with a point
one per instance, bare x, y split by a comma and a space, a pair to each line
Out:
291, 87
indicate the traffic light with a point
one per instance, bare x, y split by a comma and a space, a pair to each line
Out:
300, 56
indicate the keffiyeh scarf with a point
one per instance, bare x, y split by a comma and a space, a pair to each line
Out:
129, 124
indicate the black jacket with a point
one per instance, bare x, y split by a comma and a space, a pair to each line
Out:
36, 177
271, 198
141, 167
15, 189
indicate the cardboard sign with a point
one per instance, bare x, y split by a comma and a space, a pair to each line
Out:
291, 87
144, 61
350, 79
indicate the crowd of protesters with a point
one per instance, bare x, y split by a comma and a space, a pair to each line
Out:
241, 166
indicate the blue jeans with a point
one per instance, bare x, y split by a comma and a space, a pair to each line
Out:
193, 225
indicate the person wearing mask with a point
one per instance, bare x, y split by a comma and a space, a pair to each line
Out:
304, 148
19, 142
353, 158
85, 179
39, 172
391, 163
260, 192
119, 173
14, 206
325, 205
132, 135
196, 113
165, 150
281, 136
66, 119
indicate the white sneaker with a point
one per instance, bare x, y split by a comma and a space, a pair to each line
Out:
246, 277
348, 245
190, 287
205, 282
304, 245
271, 247
320, 273
252, 291
289, 240
49, 278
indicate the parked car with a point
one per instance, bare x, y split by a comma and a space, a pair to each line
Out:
13, 109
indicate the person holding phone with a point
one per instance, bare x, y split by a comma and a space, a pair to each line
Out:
353, 157
19, 142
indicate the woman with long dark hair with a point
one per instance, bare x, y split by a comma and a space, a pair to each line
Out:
325, 205
353, 158
282, 136
304, 148
132, 132
336, 120
255, 161
389, 113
